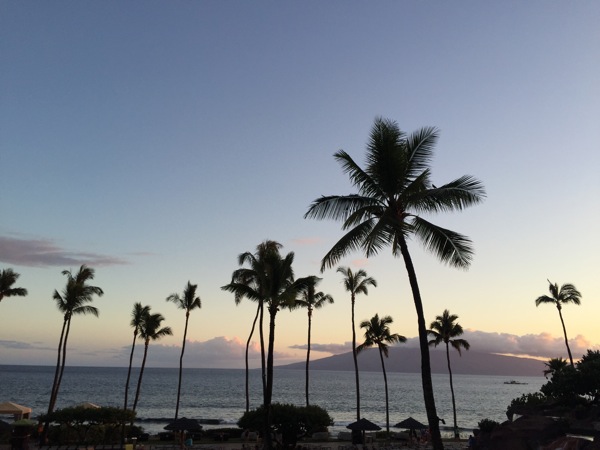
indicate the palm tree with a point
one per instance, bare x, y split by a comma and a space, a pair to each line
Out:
377, 332
445, 329
356, 283
311, 300
251, 283
559, 297
394, 190
555, 365
270, 280
137, 316
188, 302
8, 277
73, 301
150, 330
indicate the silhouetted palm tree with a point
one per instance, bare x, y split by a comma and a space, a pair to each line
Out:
445, 329
137, 316
311, 300
554, 365
270, 280
8, 277
73, 301
150, 330
377, 332
356, 283
188, 302
394, 190
559, 297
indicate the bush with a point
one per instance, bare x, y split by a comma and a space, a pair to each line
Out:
487, 425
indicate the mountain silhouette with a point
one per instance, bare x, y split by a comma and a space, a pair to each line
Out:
408, 360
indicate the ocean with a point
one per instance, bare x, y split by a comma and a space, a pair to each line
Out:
219, 394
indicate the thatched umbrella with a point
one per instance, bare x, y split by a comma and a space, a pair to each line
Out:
363, 425
411, 425
182, 425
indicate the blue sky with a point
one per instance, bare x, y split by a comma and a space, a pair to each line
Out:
155, 141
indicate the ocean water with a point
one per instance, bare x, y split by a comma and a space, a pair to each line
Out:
220, 393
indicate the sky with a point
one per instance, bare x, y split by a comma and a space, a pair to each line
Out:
155, 141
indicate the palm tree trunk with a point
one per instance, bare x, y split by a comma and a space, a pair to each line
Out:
355, 363
456, 435
262, 350
565, 333
135, 333
63, 362
269, 393
54, 382
308, 352
139, 383
387, 403
187, 318
129, 370
428, 396
247, 368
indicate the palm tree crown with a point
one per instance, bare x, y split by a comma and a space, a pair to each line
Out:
394, 191
559, 297
8, 277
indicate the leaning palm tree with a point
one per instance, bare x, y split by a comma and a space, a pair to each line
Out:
377, 332
559, 297
150, 330
188, 302
394, 190
8, 277
137, 316
445, 329
311, 300
72, 301
356, 283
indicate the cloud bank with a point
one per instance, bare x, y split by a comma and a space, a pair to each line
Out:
45, 253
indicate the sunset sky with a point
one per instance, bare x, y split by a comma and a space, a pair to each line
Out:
157, 140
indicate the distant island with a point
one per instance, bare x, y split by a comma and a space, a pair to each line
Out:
408, 360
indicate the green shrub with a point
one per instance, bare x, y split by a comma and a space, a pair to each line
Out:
487, 425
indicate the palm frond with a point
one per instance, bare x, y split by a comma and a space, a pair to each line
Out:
450, 247
350, 242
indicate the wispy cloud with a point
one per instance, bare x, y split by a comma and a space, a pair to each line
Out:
326, 348
45, 253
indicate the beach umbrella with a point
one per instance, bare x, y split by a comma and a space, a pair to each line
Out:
363, 425
410, 424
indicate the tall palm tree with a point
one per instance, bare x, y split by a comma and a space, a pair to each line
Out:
445, 329
311, 300
8, 277
555, 365
356, 283
377, 332
394, 190
559, 297
74, 300
137, 316
251, 283
150, 330
188, 302
270, 280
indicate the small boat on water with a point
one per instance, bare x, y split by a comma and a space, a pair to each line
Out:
514, 382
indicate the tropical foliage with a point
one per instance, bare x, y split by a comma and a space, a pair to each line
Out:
445, 329
8, 277
188, 301
290, 421
394, 191
377, 332
356, 283
566, 294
